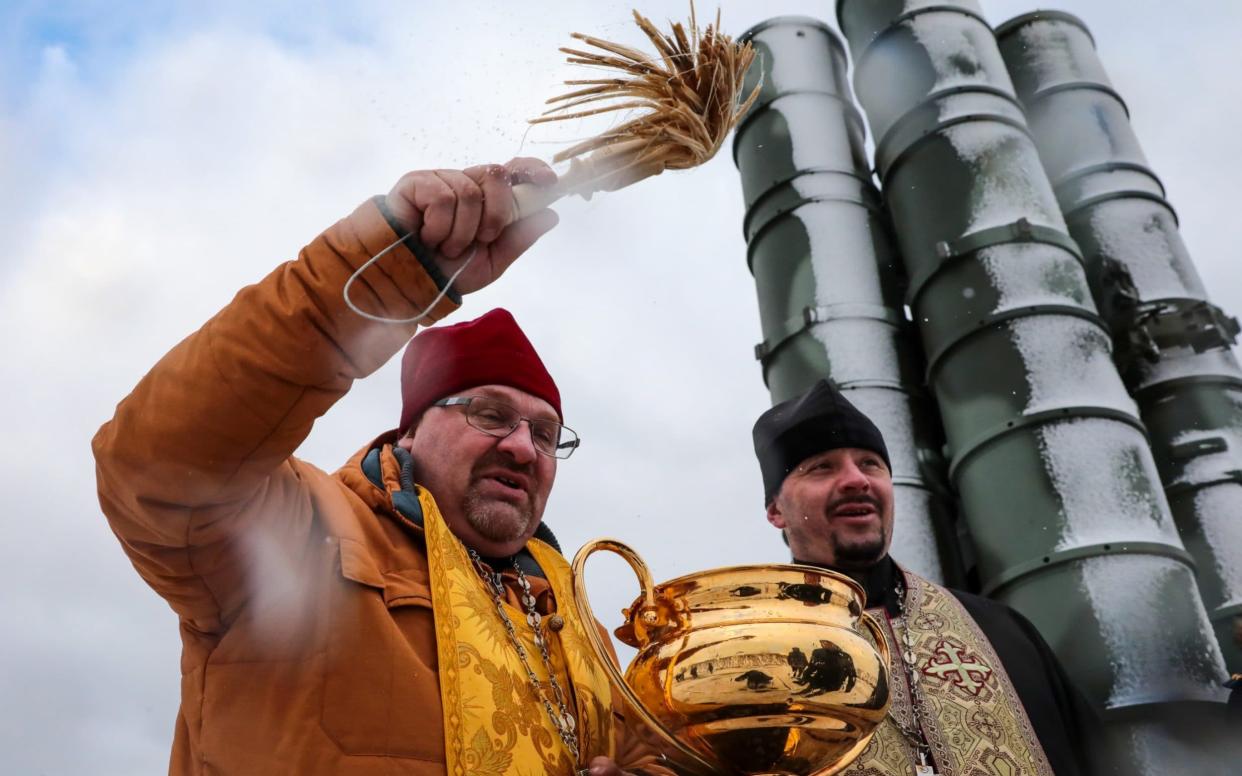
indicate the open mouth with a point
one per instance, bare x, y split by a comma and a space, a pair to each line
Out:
854, 510
508, 483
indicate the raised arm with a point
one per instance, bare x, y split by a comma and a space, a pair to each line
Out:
198, 457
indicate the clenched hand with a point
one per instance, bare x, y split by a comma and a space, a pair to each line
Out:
451, 211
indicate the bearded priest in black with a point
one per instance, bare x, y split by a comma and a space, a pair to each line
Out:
976, 690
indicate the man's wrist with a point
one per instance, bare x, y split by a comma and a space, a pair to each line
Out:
424, 256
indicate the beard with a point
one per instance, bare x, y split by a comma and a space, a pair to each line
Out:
860, 552
854, 551
498, 521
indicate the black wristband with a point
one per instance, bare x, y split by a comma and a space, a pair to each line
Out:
418, 249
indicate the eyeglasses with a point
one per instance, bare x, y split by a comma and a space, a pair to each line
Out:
495, 418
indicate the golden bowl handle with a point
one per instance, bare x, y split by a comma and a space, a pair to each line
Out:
604, 656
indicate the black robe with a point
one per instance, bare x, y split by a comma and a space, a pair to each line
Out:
1067, 726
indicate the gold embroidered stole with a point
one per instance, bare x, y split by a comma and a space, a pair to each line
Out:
972, 716
494, 723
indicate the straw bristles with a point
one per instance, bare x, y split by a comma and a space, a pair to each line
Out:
689, 92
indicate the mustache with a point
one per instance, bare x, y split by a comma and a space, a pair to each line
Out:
869, 500
496, 460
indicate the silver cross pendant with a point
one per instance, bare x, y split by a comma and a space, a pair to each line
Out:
922, 768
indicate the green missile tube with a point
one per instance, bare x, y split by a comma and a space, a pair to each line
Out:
828, 279
1056, 480
1171, 345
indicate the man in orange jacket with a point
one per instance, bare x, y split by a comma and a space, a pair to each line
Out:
408, 614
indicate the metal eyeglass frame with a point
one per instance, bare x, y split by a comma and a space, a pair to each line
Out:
568, 446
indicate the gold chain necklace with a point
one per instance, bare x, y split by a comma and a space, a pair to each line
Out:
916, 738
564, 722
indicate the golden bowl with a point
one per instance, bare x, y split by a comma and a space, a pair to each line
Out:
749, 669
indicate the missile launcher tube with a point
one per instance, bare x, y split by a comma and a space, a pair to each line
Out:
1051, 463
828, 279
1171, 344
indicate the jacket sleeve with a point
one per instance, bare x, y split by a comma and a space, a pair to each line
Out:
194, 471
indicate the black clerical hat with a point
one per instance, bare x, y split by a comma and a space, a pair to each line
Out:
818, 420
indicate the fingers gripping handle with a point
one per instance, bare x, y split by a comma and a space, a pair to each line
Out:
602, 654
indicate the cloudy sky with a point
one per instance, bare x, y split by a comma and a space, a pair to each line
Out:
156, 157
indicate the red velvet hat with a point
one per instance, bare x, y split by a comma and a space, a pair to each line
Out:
490, 350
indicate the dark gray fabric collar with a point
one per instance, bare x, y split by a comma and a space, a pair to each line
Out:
879, 582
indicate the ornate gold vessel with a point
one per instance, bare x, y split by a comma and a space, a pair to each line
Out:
748, 669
